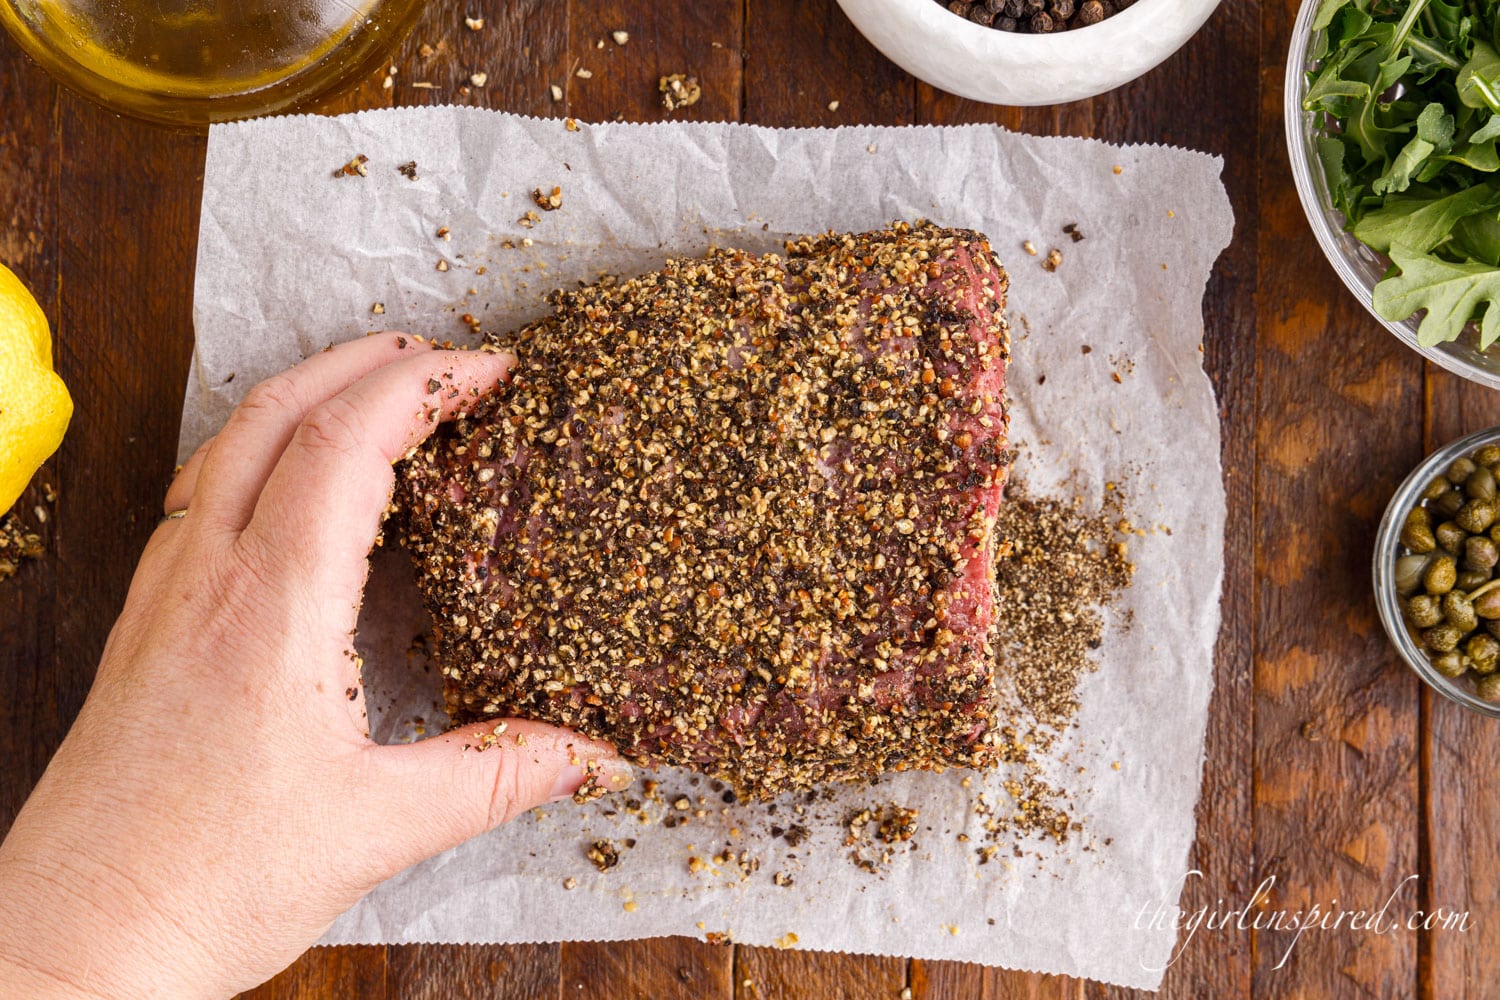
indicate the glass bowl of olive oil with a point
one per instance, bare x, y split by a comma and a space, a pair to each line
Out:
189, 63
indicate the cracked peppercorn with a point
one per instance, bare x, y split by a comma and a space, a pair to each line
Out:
1037, 17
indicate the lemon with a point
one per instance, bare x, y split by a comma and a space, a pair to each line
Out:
34, 403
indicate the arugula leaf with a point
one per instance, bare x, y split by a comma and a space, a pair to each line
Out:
1446, 20
1407, 24
1363, 126
1343, 23
1434, 135
1324, 16
1489, 130
1330, 92
1477, 237
1331, 155
1482, 157
1452, 294
1421, 223
1435, 125
1479, 79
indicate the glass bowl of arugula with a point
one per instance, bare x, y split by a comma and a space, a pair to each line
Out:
1393, 120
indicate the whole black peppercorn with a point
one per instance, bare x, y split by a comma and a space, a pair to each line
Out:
1006, 23
1060, 10
959, 7
980, 14
1092, 12
1013, 8
1040, 23
1033, 7
995, 6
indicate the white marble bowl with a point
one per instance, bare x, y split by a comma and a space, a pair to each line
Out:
1002, 67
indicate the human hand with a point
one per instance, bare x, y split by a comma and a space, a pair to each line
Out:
217, 802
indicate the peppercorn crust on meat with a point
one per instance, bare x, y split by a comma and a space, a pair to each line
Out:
736, 514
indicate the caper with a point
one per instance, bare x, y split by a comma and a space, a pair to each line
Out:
1450, 664
1448, 504
1458, 611
1481, 484
1424, 611
1487, 605
1451, 537
1442, 638
1480, 553
1418, 537
1476, 515
1409, 573
1471, 579
1440, 575
1492, 626
1436, 488
1459, 470
1484, 651
1488, 688
1487, 454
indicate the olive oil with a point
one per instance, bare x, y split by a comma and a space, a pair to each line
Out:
193, 62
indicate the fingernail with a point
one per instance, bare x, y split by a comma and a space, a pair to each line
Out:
608, 776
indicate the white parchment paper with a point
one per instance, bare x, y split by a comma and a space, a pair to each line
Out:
1106, 386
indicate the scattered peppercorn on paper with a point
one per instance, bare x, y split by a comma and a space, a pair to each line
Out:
460, 220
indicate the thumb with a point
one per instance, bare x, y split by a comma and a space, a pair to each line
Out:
439, 792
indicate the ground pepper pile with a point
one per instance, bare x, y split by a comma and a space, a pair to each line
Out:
1057, 569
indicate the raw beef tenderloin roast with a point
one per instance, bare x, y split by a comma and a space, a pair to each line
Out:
736, 514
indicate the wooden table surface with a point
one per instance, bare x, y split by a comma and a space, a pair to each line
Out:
1328, 767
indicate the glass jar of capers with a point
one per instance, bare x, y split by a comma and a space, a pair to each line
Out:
1447, 569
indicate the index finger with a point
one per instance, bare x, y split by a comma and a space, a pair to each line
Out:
322, 504
235, 471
